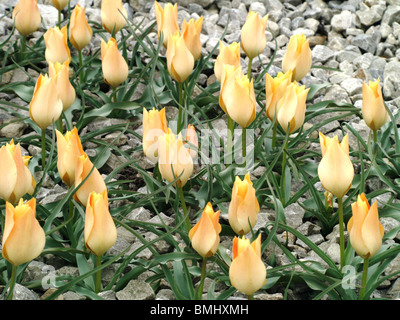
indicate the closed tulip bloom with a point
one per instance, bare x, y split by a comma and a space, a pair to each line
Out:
167, 20
100, 231
335, 170
16, 179
154, 125
94, 182
56, 41
26, 16
292, 107
244, 206
275, 88
113, 15
80, 33
23, 237
247, 272
65, 89
227, 55
204, 236
228, 78
46, 105
69, 149
252, 36
115, 69
173, 153
191, 33
60, 4
192, 140
365, 230
298, 57
373, 108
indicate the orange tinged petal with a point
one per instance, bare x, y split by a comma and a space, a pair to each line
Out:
26, 16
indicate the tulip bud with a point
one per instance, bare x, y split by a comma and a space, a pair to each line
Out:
94, 182
335, 170
167, 20
26, 16
113, 15
56, 41
80, 32
16, 179
100, 231
23, 237
252, 36
191, 33
192, 140
46, 105
115, 69
244, 206
65, 89
227, 55
292, 107
60, 4
298, 57
365, 230
172, 153
373, 108
69, 149
228, 77
154, 125
247, 272
275, 88
205, 234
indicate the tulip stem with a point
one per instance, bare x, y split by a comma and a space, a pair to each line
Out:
43, 148
180, 94
202, 278
23, 47
59, 19
184, 208
250, 297
283, 180
98, 274
341, 231
81, 66
230, 138
12, 282
375, 136
60, 123
364, 279
244, 145
249, 68
69, 225
274, 130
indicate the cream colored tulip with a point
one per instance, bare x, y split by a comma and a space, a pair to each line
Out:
191, 33
365, 230
23, 237
46, 105
228, 78
180, 60
60, 4
204, 236
115, 68
292, 107
275, 88
80, 33
167, 20
113, 15
65, 89
247, 271
56, 41
154, 125
26, 16
298, 57
373, 108
100, 231
16, 179
227, 55
252, 36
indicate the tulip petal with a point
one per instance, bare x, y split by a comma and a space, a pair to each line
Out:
8, 173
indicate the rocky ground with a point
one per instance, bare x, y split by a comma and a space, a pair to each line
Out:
358, 38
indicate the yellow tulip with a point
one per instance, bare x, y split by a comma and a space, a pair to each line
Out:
227, 55
113, 15
26, 16
167, 20
292, 107
65, 89
60, 4
228, 77
46, 105
94, 182
204, 236
100, 231
365, 230
16, 179
154, 125
192, 140
252, 37
180, 60
335, 170
80, 33
373, 108
56, 42
275, 89
247, 272
23, 237
298, 57
173, 153
191, 33
69, 149
115, 69
244, 206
